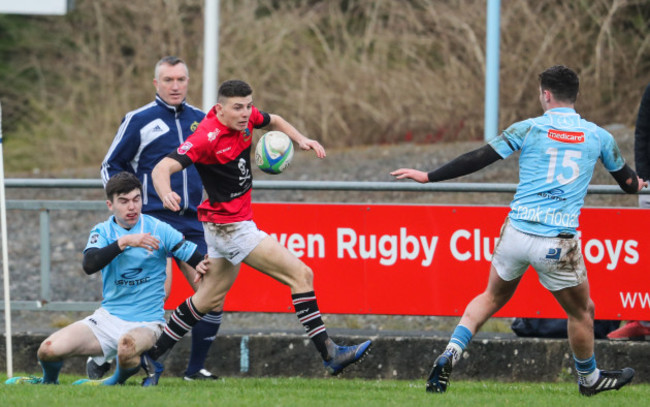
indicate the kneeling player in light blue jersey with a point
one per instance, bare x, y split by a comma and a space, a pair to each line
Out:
130, 249
558, 153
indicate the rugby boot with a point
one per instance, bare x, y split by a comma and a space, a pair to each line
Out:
607, 380
439, 377
152, 368
343, 356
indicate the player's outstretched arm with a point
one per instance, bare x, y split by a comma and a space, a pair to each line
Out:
459, 166
278, 123
161, 177
628, 180
409, 173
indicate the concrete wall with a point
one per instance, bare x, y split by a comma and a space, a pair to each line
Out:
393, 356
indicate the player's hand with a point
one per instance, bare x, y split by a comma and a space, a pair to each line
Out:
642, 183
419, 176
144, 240
171, 201
309, 144
201, 269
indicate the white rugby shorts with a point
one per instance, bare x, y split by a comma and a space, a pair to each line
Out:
558, 261
108, 329
232, 241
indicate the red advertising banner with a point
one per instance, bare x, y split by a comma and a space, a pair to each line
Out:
432, 260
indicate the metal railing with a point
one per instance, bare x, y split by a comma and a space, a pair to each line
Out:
45, 206
323, 186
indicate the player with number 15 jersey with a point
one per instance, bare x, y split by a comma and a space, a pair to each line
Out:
558, 153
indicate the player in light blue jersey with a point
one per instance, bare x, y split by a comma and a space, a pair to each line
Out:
130, 249
558, 153
556, 165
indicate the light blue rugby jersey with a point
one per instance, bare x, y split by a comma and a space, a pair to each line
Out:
134, 282
559, 151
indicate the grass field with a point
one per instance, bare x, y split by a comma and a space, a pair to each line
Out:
314, 392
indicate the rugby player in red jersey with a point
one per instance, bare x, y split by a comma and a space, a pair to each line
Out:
220, 149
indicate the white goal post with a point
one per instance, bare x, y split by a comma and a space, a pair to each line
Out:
5, 258
40, 7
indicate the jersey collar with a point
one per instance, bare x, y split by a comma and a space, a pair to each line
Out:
137, 228
562, 110
173, 109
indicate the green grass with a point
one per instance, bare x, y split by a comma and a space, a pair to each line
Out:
314, 392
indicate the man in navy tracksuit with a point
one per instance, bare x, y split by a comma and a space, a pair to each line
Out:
145, 136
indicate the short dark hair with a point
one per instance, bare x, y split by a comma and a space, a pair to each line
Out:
562, 82
233, 88
122, 183
169, 60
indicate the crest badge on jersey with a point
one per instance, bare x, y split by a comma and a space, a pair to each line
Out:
213, 135
184, 148
194, 126
246, 134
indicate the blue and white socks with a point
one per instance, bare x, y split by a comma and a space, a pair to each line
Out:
459, 340
587, 371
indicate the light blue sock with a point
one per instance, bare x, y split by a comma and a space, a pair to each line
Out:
588, 373
461, 337
458, 342
585, 367
121, 375
51, 371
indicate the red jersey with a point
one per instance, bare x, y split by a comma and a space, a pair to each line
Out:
222, 156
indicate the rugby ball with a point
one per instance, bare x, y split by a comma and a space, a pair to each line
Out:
273, 152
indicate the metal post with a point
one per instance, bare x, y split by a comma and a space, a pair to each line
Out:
5, 259
46, 292
491, 128
211, 52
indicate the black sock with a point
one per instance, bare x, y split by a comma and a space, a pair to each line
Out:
307, 312
184, 317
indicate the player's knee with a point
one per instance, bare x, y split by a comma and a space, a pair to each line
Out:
47, 352
591, 309
207, 303
126, 347
214, 305
495, 299
304, 277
